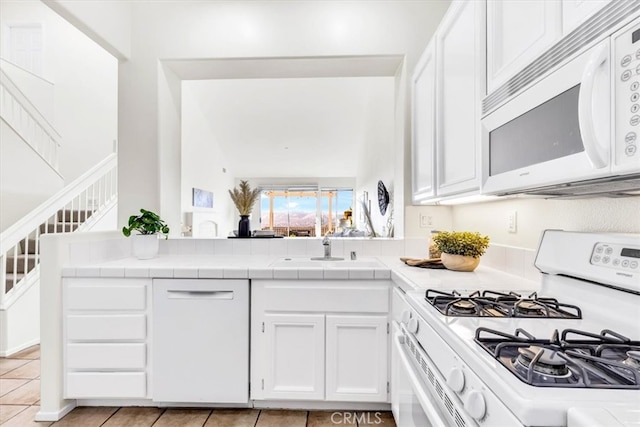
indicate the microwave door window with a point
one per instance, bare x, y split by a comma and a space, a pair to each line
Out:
549, 131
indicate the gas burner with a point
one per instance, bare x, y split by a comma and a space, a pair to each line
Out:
534, 306
462, 307
633, 359
499, 304
605, 360
530, 308
543, 361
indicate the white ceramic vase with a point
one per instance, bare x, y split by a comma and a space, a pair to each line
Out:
459, 262
145, 246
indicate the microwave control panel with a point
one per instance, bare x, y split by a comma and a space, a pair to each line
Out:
626, 67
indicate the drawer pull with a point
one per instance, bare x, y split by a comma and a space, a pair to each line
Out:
174, 294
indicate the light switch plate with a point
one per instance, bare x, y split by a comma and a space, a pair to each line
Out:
512, 222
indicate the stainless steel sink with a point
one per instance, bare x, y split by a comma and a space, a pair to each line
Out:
326, 263
329, 258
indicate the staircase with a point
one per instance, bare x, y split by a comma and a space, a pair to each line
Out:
17, 266
74, 208
80, 206
87, 202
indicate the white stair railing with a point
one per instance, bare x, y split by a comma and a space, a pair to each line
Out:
79, 203
28, 122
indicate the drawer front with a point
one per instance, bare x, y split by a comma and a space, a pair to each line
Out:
95, 385
105, 294
106, 356
106, 327
341, 296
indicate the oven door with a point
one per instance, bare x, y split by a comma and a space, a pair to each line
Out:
411, 401
557, 131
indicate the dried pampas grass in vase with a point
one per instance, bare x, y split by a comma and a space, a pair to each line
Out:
244, 198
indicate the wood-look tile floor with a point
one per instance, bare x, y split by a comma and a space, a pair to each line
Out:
20, 399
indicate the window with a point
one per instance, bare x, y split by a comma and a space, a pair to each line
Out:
294, 211
336, 203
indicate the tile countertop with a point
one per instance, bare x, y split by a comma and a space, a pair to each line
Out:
258, 267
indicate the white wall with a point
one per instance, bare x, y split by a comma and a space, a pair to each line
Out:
377, 157
436, 218
186, 29
108, 23
536, 215
203, 161
85, 93
21, 189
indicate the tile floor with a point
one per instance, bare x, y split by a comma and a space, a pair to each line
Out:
20, 398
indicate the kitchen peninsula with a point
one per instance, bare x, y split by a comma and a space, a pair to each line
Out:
113, 341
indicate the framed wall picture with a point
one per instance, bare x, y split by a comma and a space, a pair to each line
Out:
202, 198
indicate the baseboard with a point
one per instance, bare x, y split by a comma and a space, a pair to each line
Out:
57, 415
152, 403
311, 405
8, 353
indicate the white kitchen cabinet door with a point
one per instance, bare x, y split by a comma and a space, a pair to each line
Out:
460, 53
357, 358
295, 356
518, 31
575, 12
423, 121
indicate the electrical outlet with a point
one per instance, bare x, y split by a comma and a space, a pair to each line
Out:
426, 220
512, 222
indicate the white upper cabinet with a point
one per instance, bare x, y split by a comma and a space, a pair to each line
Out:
460, 61
423, 125
517, 32
575, 12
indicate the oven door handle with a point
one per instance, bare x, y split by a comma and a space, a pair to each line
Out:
596, 151
422, 395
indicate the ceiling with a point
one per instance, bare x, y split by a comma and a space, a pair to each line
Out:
293, 127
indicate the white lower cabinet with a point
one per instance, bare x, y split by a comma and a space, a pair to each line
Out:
356, 358
294, 356
105, 385
105, 338
311, 348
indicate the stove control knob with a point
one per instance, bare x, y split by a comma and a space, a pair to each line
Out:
412, 326
406, 315
456, 380
475, 405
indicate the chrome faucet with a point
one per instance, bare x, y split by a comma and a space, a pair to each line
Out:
327, 246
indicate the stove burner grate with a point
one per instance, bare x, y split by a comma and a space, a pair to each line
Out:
498, 304
589, 361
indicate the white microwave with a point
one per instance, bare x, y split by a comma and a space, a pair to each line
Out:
575, 131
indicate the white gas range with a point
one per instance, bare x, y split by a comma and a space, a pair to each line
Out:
568, 355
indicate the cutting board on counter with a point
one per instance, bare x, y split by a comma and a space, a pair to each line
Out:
423, 262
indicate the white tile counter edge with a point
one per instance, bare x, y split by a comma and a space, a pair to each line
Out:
258, 267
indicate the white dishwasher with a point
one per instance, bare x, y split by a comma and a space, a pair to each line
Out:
200, 350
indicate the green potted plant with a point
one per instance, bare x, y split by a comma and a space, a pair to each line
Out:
145, 243
244, 198
461, 250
